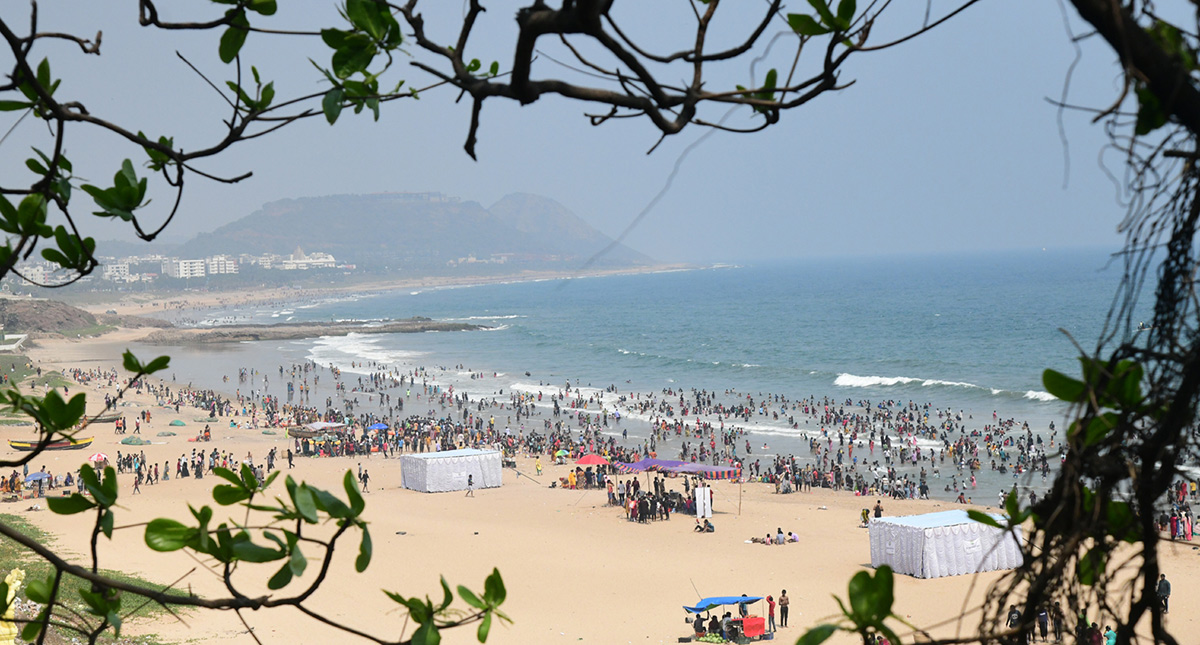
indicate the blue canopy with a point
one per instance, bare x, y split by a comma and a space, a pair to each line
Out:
716, 601
36, 477
377, 426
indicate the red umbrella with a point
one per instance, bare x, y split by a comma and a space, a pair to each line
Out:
98, 457
592, 460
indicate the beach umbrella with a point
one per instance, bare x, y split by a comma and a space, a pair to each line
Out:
561, 453
178, 422
592, 460
98, 457
36, 476
377, 426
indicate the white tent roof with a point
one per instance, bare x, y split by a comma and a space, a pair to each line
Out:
947, 543
435, 472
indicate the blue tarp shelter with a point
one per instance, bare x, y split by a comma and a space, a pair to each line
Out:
717, 601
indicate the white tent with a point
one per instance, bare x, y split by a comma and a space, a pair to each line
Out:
437, 472
942, 544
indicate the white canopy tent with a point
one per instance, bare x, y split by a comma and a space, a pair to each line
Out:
948, 543
438, 472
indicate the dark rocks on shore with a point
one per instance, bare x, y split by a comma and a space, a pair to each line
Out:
293, 331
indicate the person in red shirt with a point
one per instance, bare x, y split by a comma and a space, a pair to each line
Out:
771, 613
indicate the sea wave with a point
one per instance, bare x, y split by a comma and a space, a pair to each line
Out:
1037, 395
508, 317
851, 380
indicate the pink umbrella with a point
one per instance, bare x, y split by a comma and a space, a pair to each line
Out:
98, 457
592, 460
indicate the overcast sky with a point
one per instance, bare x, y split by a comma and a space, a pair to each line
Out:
945, 143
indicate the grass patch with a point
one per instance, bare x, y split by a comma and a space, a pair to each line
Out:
90, 330
16, 368
52, 379
13, 555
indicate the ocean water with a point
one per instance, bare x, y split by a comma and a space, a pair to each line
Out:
969, 333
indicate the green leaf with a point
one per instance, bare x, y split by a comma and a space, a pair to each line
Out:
1063, 387
332, 104
12, 106
845, 12
332, 505
470, 598
262, 7
302, 497
884, 593
281, 577
157, 365
356, 501
427, 634
229, 495
38, 590
805, 25
823, 11
164, 534
31, 630
447, 597
860, 596
106, 523
129, 361
364, 552
984, 518
36, 166
493, 70
493, 589
76, 503
228, 476
485, 626
248, 551
268, 95
817, 635
234, 36
1099, 428
355, 55
297, 562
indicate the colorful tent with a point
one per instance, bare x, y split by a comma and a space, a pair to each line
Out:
717, 601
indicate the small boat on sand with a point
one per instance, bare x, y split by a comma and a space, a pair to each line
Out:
61, 444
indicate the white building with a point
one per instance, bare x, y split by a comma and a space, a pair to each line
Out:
184, 268
220, 264
298, 261
116, 272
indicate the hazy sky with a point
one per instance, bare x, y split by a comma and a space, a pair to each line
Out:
944, 143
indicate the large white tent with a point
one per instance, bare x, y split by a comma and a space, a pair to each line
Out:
437, 472
942, 544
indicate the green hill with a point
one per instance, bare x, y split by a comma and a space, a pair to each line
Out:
418, 231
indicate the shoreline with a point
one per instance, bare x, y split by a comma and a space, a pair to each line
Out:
163, 301
296, 331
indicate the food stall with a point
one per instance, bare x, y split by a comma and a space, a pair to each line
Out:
744, 629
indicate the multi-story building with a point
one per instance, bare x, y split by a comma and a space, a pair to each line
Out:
184, 268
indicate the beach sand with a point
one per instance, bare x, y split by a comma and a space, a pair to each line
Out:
575, 570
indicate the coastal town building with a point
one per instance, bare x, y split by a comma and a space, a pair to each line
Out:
298, 261
183, 268
220, 264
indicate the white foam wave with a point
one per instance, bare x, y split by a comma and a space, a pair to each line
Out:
1037, 395
496, 328
356, 348
929, 382
850, 380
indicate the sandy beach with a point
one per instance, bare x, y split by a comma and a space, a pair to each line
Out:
575, 569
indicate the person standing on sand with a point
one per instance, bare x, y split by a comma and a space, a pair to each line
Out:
771, 614
366, 477
470, 486
783, 608
290, 465
1164, 591
878, 508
